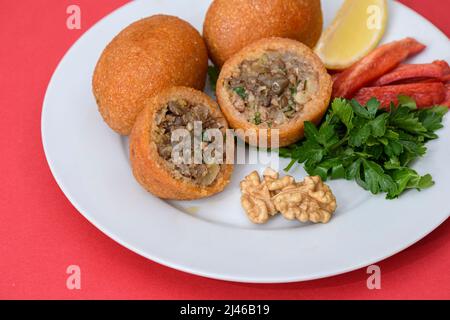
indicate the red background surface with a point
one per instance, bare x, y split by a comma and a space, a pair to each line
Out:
41, 234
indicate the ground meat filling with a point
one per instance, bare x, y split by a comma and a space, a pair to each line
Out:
273, 89
181, 114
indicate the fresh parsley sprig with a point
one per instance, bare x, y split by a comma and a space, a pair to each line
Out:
372, 146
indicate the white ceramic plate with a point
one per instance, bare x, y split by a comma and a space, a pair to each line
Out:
213, 237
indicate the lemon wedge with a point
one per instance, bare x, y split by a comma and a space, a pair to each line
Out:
356, 30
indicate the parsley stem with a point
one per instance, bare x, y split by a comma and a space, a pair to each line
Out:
291, 164
340, 143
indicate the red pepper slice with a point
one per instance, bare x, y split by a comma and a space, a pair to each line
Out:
435, 70
374, 65
425, 94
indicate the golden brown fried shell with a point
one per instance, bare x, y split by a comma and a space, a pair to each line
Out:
146, 57
313, 111
230, 25
150, 170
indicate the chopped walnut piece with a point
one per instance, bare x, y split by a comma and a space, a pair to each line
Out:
310, 200
271, 174
256, 199
274, 183
280, 184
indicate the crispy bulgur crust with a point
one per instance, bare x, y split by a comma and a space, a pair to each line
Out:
149, 55
230, 25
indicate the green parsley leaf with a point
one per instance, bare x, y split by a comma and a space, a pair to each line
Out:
257, 118
378, 125
293, 91
240, 92
373, 105
344, 111
431, 118
376, 179
359, 136
338, 172
407, 178
406, 101
403, 118
365, 112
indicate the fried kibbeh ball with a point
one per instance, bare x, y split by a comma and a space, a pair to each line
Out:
153, 145
230, 25
149, 55
273, 83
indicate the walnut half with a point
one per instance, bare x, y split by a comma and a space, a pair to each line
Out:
256, 199
310, 200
